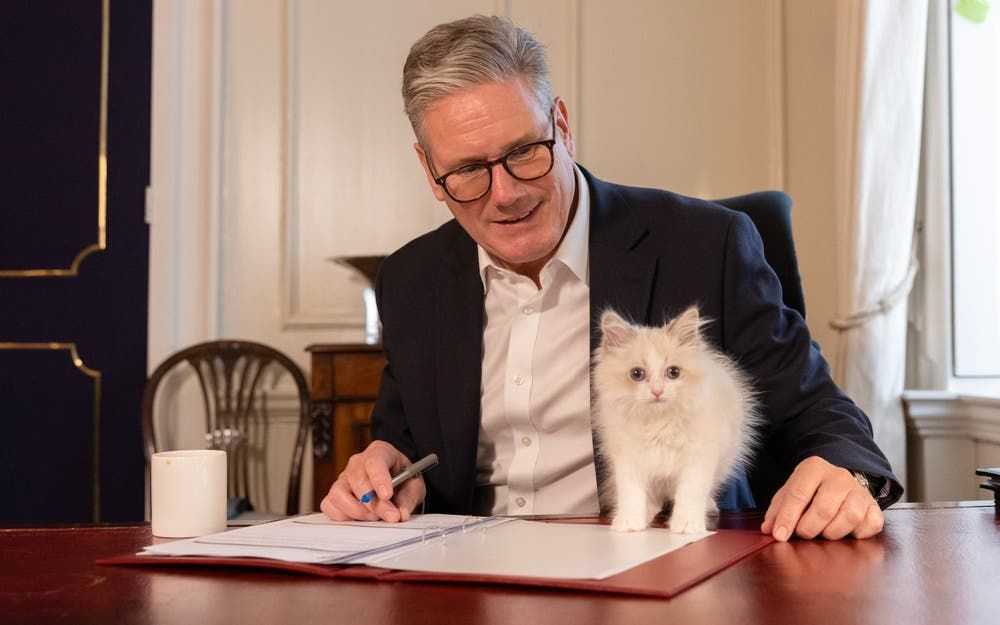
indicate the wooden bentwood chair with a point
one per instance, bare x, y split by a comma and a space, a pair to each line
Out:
232, 377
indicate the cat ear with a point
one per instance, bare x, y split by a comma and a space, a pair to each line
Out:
686, 327
615, 331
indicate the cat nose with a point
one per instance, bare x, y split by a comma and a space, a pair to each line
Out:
656, 393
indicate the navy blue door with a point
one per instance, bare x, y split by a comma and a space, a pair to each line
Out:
74, 164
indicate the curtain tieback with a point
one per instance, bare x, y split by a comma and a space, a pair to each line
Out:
880, 307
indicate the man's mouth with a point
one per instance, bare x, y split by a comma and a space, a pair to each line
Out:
517, 218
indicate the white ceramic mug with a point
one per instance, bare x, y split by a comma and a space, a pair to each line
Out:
188, 492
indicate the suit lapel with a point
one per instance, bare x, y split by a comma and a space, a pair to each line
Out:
459, 326
622, 270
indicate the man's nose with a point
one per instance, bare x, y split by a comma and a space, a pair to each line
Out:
506, 188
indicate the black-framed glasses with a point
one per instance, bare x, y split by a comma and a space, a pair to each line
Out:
530, 161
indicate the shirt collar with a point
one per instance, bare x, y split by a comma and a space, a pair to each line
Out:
573, 251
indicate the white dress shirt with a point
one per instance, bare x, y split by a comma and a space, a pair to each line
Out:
536, 453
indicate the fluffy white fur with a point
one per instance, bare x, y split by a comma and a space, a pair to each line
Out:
675, 434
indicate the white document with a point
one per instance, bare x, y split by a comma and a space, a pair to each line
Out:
541, 549
442, 543
314, 539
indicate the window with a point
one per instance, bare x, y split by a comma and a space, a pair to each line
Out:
954, 341
975, 194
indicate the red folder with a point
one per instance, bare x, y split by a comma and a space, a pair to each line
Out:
665, 576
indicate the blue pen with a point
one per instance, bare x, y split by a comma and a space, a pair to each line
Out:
413, 470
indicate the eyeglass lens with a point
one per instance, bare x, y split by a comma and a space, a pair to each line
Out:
528, 162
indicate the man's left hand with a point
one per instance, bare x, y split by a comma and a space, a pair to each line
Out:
822, 499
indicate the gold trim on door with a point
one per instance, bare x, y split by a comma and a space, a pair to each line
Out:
96, 443
102, 172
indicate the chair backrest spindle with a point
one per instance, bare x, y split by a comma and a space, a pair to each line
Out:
231, 374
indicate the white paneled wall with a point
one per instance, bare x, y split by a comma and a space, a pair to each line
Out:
279, 140
353, 184
683, 95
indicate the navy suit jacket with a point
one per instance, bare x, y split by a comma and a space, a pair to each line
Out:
652, 254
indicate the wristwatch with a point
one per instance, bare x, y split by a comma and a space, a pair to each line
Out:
877, 486
863, 480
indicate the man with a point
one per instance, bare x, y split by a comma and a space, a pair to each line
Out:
489, 321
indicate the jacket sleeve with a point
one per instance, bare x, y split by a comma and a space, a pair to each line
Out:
388, 421
806, 414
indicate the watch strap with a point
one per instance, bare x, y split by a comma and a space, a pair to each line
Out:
876, 485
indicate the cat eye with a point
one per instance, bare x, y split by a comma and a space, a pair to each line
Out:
637, 374
673, 373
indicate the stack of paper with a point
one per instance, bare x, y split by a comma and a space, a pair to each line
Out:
314, 539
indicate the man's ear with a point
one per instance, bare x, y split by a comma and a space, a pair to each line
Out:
563, 131
435, 187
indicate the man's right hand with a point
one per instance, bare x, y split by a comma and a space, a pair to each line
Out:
369, 470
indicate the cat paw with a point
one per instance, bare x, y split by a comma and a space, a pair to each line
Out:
687, 525
629, 524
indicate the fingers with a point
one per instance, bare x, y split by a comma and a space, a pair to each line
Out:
407, 496
873, 523
371, 470
847, 514
341, 504
793, 498
840, 506
767, 527
831, 494
822, 499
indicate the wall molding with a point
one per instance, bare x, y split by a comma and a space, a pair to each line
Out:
95, 443
186, 204
949, 436
932, 414
293, 314
102, 171
776, 92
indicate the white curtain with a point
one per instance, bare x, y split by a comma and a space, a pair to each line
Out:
879, 105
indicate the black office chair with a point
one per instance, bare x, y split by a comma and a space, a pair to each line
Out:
771, 212
232, 377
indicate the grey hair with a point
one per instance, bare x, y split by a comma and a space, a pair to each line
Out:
467, 52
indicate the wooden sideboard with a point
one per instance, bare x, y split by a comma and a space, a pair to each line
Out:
344, 381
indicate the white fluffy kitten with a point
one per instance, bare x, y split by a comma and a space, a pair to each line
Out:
673, 418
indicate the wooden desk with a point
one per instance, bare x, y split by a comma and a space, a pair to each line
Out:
343, 385
933, 564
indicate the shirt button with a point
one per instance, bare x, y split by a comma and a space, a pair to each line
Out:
520, 501
519, 379
526, 441
527, 310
